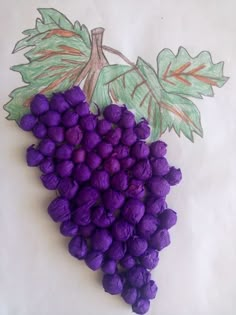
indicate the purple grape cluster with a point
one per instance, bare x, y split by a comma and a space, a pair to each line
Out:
111, 188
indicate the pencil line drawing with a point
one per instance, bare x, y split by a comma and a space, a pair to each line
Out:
61, 54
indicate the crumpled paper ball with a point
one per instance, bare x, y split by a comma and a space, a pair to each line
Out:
159, 186
104, 149
74, 135
88, 122
65, 168
82, 173
130, 295
149, 259
47, 166
142, 170
147, 226
74, 96
47, 147
69, 118
50, 181
103, 126
112, 199
39, 105
82, 109
100, 179
112, 284
28, 122
113, 136
142, 129
137, 246
112, 165
117, 250
120, 151
112, 113
141, 306
87, 196
133, 210
101, 217
128, 261
174, 176
33, 156
154, 205
160, 239
67, 188
59, 209
158, 149
127, 119
56, 133
149, 290
101, 240
39, 130
94, 260
168, 218
135, 189
109, 267
82, 215
122, 230
51, 118
93, 160
58, 103
128, 137
119, 181
90, 140
69, 228
78, 247
160, 166
127, 163
140, 150
138, 276
64, 152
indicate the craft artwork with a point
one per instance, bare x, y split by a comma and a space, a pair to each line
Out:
97, 127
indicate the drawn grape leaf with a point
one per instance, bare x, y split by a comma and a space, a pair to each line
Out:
59, 51
181, 114
138, 87
182, 74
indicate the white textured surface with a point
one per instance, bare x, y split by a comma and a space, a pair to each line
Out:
196, 274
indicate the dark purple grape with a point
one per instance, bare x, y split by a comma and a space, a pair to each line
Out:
112, 187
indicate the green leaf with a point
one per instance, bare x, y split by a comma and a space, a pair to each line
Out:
181, 114
59, 51
182, 74
138, 87
52, 16
52, 20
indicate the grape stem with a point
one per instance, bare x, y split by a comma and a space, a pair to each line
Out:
118, 53
96, 62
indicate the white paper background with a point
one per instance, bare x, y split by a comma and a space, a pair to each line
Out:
196, 274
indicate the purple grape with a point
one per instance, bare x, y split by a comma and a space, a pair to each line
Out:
88, 122
39, 130
28, 122
103, 126
51, 118
112, 113
50, 181
58, 103
69, 118
56, 134
39, 105
112, 187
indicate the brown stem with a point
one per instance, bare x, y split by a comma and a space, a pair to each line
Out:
118, 53
96, 62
